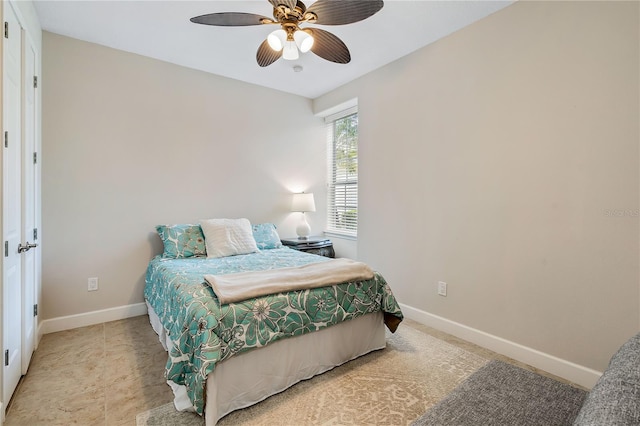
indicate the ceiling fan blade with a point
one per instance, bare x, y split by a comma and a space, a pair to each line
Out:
329, 47
266, 55
231, 19
291, 4
332, 12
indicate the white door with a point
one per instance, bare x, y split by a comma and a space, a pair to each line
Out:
11, 204
29, 233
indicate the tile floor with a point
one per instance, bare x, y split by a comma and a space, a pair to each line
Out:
108, 373
103, 374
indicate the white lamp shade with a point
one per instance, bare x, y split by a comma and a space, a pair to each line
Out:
290, 51
303, 40
277, 39
303, 203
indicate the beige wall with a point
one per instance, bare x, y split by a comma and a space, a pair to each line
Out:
130, 142
497, 153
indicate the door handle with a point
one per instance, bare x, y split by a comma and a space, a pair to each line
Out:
26, 247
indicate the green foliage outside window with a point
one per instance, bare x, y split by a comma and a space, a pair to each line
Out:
346, 147
343, 203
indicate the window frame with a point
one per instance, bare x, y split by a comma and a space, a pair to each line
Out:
332, 180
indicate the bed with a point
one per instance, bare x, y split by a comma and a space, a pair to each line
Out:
227, 356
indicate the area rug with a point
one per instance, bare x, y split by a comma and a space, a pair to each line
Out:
503, 394
392, 386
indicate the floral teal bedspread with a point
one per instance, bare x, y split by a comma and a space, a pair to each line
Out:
204, 332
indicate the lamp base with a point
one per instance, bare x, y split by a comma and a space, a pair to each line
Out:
303, 230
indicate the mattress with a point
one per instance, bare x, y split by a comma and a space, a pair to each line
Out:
203, 334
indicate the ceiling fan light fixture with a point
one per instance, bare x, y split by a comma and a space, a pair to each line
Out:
303, 40
277, 39
290, 51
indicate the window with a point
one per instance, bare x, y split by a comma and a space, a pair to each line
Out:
342, 205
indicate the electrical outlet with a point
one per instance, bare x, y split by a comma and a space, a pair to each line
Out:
442, 288
92, 284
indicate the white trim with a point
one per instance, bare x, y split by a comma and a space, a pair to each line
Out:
337, 109
1, 414
90, 318
341, 114
568, 370
338, 234
40, 333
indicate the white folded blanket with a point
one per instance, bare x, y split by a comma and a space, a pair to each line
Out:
245, 285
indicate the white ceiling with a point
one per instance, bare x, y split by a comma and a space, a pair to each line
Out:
161, 30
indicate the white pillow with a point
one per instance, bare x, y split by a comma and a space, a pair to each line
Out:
228, 237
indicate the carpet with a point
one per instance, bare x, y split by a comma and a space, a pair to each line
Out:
503, 394
392, 386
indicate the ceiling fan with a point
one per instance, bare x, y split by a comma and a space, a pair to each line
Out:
289, 14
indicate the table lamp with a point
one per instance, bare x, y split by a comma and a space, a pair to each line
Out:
303, 203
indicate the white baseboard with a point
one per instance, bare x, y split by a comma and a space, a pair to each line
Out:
575, 373
90, 318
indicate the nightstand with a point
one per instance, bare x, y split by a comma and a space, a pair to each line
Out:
314, 245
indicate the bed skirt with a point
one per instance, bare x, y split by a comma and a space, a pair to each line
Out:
253, 376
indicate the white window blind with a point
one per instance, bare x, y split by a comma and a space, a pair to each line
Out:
343, 172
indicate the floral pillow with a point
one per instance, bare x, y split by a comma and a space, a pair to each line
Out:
182, 241
266, 236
